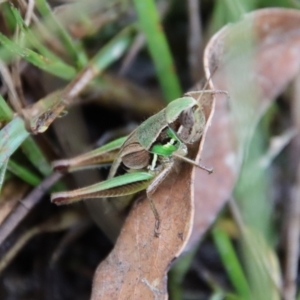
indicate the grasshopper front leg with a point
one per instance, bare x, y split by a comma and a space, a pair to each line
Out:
158, 179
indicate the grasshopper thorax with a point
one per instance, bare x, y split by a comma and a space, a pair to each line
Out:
163, 134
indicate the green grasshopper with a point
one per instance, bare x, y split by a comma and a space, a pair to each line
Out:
143, 159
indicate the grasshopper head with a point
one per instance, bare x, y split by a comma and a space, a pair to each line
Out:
186, 117
191, 124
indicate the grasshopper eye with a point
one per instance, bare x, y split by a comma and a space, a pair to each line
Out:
199, 124
186, 123
192, 123
187, 119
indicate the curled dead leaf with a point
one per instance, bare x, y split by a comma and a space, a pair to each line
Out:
138, 265
255, 59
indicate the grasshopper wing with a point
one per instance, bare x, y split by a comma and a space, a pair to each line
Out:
100, 156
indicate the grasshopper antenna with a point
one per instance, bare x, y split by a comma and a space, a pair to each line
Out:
209, 170
207, 82
204, 89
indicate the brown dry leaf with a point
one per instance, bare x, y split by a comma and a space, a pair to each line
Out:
138, 265
255, 59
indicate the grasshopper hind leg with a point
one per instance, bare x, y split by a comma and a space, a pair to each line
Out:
161, 175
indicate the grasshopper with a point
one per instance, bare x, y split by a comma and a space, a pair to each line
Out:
144, 158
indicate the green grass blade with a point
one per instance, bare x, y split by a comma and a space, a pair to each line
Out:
23, 173
29, 147
106, 56
236, 8
158, 47
261, 264
11, 137
58, 68
2, 174
231, 263
6, 113
32, 41
30, 37
113, 50
232, 297
75, 52
8, 16
36, 156
221, 295
226, 11
17, 17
